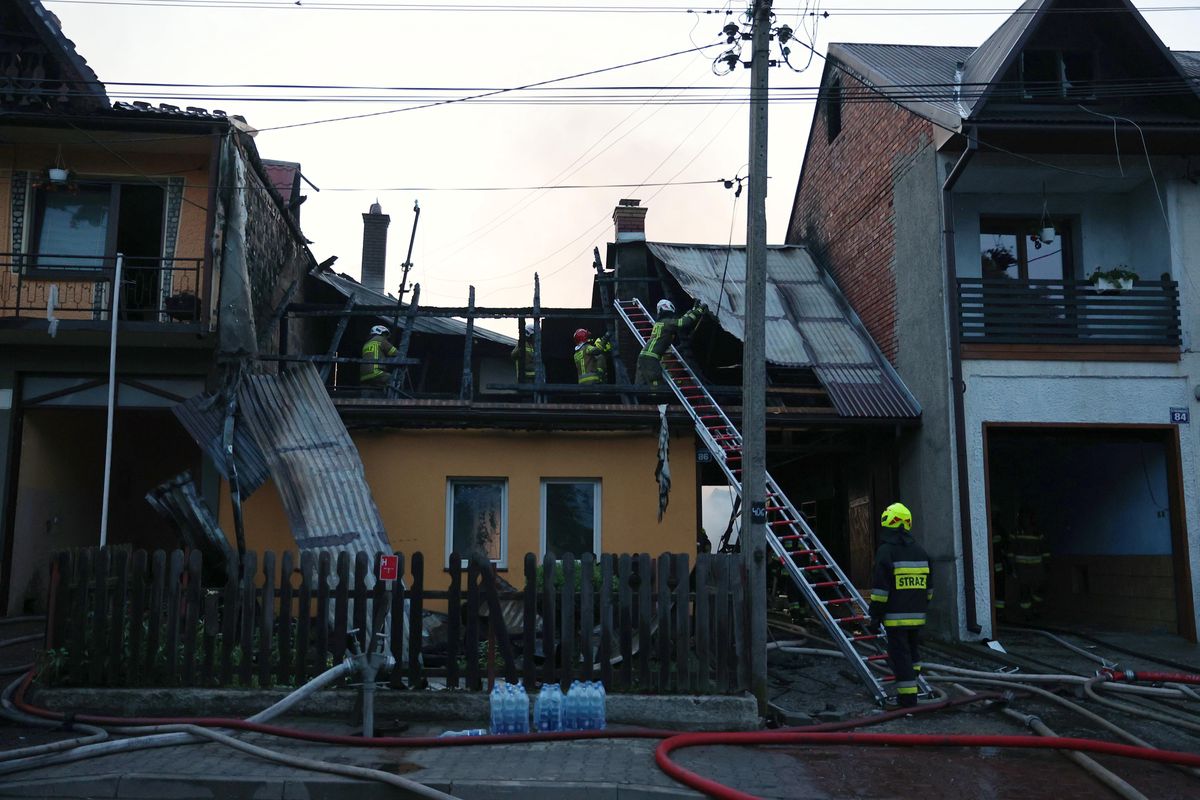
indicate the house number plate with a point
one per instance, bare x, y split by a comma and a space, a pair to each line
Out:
1181, 416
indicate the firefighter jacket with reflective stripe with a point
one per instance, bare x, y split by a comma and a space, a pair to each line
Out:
376, 347
523, 362
590, 364
666, 332
1027, 548
901, 590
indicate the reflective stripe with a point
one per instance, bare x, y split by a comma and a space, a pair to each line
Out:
879, 595
1027, 559
1026, 537
906, 689
910, 571
899, 566
999, 604
918, 667
903, 623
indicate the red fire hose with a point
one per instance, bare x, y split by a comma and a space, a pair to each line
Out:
1149, 677
662, 756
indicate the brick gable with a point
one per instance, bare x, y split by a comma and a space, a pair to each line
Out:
843, 207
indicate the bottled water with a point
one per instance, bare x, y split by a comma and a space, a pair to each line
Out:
497, 708
586, 710
520, 709
571, 708
601, 702
468, 732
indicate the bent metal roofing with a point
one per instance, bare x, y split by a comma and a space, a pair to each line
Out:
808, 322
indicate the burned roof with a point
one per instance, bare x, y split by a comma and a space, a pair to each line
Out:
80, 86
442, 326
808, 322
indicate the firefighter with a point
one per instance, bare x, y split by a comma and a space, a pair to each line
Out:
663, 336
371, 373
591, 363
1027, 557
901, 595
522, 356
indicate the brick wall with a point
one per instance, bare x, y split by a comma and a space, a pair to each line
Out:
843, 207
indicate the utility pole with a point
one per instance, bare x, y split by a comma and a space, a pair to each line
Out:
754, 366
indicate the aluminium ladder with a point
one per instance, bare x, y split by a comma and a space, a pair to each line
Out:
832, 596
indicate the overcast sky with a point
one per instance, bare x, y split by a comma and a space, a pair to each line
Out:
497, 240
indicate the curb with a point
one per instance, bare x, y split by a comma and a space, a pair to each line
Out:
675, 712
139, 786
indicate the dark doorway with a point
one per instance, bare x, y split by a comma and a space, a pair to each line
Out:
1086, 527
139, 238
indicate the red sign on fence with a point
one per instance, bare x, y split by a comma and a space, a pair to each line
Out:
388, 567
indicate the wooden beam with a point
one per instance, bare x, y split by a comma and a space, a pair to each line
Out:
336, 341
466, 389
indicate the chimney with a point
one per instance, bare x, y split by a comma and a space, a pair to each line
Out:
374, 254
629, 219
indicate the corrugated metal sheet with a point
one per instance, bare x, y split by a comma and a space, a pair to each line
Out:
203, 417
1189, 61
984, 65
808, 322
435, 325
313, 463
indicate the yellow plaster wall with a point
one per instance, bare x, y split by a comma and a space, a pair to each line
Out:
407, 471
90, 162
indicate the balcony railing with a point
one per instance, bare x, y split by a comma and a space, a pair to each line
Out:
1047, 312
79, 288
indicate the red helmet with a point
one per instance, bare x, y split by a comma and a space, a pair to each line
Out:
582, 335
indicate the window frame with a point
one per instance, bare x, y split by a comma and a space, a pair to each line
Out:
451, 482
597, 497
112, 232
1063, 94
1064, 232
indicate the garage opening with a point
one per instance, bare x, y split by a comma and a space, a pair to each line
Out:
1086, 527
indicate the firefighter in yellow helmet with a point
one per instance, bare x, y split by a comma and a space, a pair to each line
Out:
900, 595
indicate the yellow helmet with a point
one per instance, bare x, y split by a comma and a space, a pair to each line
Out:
895, 515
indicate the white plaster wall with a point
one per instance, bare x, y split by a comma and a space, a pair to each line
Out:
1097, 392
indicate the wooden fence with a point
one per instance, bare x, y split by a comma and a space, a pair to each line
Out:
121, 618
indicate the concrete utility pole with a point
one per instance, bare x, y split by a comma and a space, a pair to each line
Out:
754, 367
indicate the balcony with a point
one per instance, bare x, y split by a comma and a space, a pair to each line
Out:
1066, 320
77, 290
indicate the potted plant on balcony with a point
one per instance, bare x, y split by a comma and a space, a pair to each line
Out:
1116, 279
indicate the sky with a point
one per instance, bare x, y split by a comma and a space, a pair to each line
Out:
497, 240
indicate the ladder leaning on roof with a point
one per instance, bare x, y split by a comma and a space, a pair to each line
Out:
833, 598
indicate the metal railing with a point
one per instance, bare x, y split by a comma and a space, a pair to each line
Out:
72, 287
1009, 311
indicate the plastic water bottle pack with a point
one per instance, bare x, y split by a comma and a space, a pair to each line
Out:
584, 709
548, 710
509, 708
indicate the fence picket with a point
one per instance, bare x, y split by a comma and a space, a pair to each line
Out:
549, 617
98, 652
453, 620
60, 601
158, 579
284, 675
703, 632
194, 597
529, 623
645, 612
663, 641
683, 648
496, 621
116, 633
324, 565
341, 607
471, 648
606, 620
399, 619
247, 605
723, 643
587, 571
80, 578
208, 650
137, 616
229, 622
174, 590
362, 566
625, 619
304, 618
567, 646
266, 620
415, 679
741, 649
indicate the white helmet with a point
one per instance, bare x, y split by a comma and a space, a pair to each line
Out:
664, 306
379, 330
529, 329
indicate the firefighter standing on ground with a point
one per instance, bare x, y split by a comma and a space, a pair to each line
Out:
901, 595
591, 363
522, 356
665, 333
371, 373
1027, 556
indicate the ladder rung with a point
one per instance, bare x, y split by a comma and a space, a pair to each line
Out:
864, 637
838, 601
825, 584
815, 567
855, 618
879, 657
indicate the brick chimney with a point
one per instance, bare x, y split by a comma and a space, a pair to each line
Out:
374, 254
629, 218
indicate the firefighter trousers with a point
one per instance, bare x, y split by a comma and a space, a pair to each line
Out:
903, 644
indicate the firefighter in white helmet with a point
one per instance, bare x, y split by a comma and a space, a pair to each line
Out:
371, 373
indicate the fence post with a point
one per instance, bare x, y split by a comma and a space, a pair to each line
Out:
453, 620
415, 615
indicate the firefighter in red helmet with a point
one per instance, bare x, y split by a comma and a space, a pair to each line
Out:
591, 357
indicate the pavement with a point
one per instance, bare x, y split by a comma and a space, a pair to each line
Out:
810, 688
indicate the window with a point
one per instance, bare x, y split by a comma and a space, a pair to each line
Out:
84, 226
570, 516
1011, 248
833, 109
1055, 74
477, 518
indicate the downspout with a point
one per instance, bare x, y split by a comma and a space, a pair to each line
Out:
956, 382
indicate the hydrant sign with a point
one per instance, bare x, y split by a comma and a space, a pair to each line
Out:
388, 567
